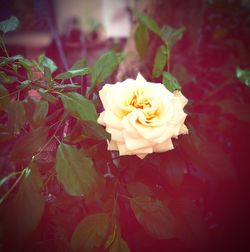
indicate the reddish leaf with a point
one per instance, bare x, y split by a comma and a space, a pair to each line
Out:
118, 245
207, 156
90, 233
174, 169
191, 224
16, 117
24, 212
4, 98
28, 144
237, 109
40, 112
138, 189
154, 216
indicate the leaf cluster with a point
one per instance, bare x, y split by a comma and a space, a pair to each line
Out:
168, 37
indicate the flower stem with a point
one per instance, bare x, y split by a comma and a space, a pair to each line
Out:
51, 138
13, 186
3, 46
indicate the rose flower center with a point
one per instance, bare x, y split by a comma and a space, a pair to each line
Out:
148, 113
138, 101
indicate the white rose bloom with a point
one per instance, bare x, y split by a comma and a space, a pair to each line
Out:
141, 116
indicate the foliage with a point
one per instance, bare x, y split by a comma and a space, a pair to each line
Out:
40, 106
243, 75
168, 37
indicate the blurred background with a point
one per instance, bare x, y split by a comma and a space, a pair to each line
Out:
66, 30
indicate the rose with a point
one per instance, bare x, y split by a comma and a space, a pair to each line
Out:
141, 116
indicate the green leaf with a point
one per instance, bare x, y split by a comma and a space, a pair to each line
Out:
44, 61
47, 96
40, 112
4, 78
66, 87
24, 212
244, 76
138, 189
170, 36
87, 130
28, 65
154, 216
4, 98
10, 24
105, 66
72, 73
26, 82
7, 60
28, 144
141, 40
16, 116
93, 130
90, 233
83, 130
160, 60
207, 156
170, 82
149, 23
118, 245
78, 106
80, 64
192, 228
75, 171
48, 77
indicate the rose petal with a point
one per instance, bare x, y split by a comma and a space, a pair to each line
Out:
148, 132
140, 79
116, 135
100, 118
123, 150
128, 127
183, 129
112, 120
103, 95
141, 156
136, 143
165, 146
181, 97
112, 145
